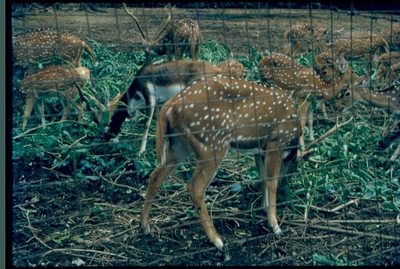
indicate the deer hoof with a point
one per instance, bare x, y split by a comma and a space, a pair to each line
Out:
146, 230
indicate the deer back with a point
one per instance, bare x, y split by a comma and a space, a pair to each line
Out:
231, 68
44, 44
219, 113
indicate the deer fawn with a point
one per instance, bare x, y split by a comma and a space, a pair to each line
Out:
179, 37
51, 81
155, 84
354, 45
300, 34
305, 83
214, 115
44, 44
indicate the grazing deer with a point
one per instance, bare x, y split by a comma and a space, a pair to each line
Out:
355, 45
214, 115
51, 81
392, 35
300, 34
41, 45
305, 83
387, 67
388, 99
179, 37
153, 85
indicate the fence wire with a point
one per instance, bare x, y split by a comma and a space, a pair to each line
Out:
78, 192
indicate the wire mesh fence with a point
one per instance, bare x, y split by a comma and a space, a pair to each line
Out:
80, 181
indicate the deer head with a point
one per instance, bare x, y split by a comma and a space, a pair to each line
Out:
305, 84
214, 115
50, 81
41, 45
153, 86
172, 38
300, 34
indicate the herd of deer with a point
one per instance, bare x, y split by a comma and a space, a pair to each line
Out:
208, 110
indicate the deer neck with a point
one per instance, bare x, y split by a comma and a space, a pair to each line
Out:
378, 99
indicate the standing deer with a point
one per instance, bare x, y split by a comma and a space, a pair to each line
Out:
305, 83
41, 45
212, 116
300, 34
153, 85
355, 45
179, 37
51, 81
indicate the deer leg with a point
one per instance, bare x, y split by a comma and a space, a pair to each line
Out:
27, 112
310, 120
270, 184
204, 173
303, 109
80, 107
146, 130
40, 106
323, 109
174, 156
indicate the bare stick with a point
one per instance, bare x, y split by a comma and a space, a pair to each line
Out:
322, 137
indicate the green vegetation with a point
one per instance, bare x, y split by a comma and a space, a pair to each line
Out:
347, 164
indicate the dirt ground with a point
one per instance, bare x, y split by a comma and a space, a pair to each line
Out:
61, 205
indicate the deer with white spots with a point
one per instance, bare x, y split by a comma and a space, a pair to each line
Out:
298, 35
179, 37
392, 35
48, 82
42, 45
154, 85
214, 115
387, 67
356, 45
305, 84
388, 99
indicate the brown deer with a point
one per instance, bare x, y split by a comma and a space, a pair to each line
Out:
214, 115
392, 35
44, 44
304, 83
388, 99
232, 68
179, 37
355, 45
387, 67
152, 86
51, 81
300, 34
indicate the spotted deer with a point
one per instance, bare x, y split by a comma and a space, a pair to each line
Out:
47, 82
44, 44
304, 84
298, 35
355, 45
212, 116
154, 85
388, 99
179, 37
387, 67
392, 35
232, 68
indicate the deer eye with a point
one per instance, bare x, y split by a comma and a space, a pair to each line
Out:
347, 94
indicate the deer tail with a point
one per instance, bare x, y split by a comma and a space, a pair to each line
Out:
89, 50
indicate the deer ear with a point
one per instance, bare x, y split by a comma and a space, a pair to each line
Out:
341, 64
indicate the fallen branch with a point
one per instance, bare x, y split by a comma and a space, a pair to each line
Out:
343, 231
322, 137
